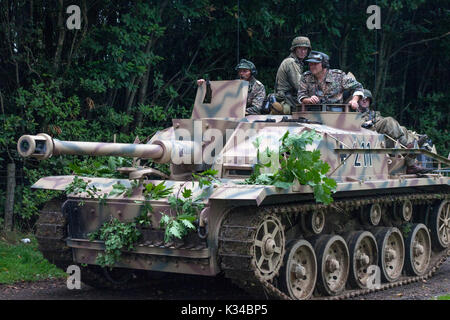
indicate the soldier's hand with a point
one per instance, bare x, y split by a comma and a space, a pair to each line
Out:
200, 82
367, 124
314, 100
354, 104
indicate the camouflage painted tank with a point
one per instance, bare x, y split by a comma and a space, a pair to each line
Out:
384, 228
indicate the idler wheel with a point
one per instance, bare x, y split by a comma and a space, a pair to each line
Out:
268, 249
299, 272
363, 253
333, 264
391, 250
418, 250
439, 224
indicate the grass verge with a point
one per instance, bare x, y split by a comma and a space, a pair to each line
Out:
23, 261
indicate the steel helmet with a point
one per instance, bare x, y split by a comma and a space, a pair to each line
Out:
300, 42
368, 95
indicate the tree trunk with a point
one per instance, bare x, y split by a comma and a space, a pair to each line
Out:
73, 49
62, 35
383, 57
9, 204
141, 97
405, 75
344, 50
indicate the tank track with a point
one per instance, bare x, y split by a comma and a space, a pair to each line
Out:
242, 271
51, 232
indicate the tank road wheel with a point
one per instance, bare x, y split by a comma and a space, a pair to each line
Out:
315, 221
333, 264
391, 253
406, 211
418, 250
371, 214
439, 224
268, 249
299, 272
363, 253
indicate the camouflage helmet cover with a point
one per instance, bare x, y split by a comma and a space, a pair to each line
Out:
247, 64
368, 94
301, 42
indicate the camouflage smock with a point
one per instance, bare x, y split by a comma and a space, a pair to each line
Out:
332, 88
288, 76
255, 97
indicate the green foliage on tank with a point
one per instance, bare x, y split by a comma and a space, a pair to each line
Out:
296, 164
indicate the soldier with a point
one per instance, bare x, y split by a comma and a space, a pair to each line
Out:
324, 85
289, 74
391, 127
256, 91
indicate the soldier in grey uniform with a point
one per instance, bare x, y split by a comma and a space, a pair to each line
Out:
289, 74
256, 91
389, 126
324, 85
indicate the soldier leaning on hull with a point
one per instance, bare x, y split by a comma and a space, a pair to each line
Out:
256, 91
391, 127
289, 74
324, 85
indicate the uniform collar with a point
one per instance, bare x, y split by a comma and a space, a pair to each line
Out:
328, 76
297, 60
251, 83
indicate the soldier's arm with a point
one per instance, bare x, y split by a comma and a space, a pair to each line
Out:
303, 90
303, 95
260, 96
255, 105
350, 83
294, 75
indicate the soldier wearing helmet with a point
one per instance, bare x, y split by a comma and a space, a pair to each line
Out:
389, 126
289, 74
324, 85
256, 91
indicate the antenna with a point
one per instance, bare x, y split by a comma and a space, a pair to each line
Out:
375, 71
238, 14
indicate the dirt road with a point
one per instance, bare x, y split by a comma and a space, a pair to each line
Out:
181, 287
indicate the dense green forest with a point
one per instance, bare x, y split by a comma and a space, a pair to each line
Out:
132, 66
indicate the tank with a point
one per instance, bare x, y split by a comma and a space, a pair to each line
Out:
384, 228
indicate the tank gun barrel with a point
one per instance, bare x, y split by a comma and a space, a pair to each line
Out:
42, 146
